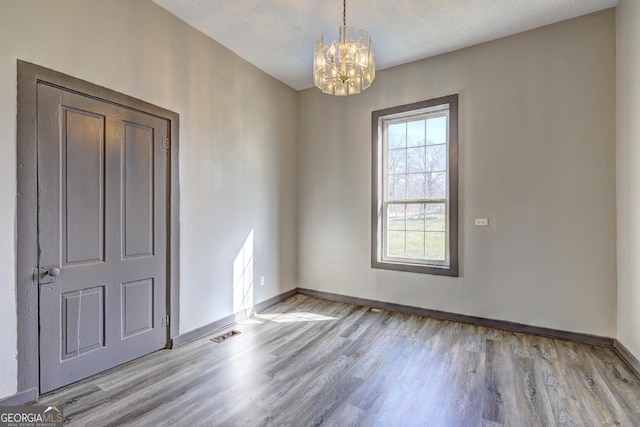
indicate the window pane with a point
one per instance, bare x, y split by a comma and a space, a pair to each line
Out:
396, 217
436, 185
415, 244
398, 161
417, 186
397, 136
415, 217
435, 217
436, 158
415, 133
416, 159
435, 246
397, 187
395, 246
437, 130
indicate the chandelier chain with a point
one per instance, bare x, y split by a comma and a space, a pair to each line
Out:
344, 13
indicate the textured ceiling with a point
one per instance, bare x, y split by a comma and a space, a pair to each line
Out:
277, 36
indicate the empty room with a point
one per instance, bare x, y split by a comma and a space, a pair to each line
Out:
304, 212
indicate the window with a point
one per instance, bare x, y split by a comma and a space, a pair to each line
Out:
414, 224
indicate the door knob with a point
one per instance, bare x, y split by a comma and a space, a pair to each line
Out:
53, 271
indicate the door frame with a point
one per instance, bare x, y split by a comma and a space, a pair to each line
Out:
29, 76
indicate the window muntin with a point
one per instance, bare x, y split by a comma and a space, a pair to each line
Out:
415, 165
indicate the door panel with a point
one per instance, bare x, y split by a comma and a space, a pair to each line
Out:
138, 189
102, 220
137, 307
82, 170
82, 321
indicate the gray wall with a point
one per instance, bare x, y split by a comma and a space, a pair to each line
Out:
537, 157
628, 172
238, 130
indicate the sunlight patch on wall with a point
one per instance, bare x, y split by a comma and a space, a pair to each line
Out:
243, 279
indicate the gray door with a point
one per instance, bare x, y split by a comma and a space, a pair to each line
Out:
102, 191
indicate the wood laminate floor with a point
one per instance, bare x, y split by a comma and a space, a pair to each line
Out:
309, 362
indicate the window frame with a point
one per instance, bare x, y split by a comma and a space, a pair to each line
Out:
379, 187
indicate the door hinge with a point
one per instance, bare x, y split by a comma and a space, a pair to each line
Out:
166, 143
165, 320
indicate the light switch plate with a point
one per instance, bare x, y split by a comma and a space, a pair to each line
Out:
482, 221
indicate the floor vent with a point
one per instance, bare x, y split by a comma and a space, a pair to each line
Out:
226, 336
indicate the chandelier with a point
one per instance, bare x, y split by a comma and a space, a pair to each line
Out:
345, 66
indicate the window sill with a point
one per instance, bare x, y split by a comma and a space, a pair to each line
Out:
451, 271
